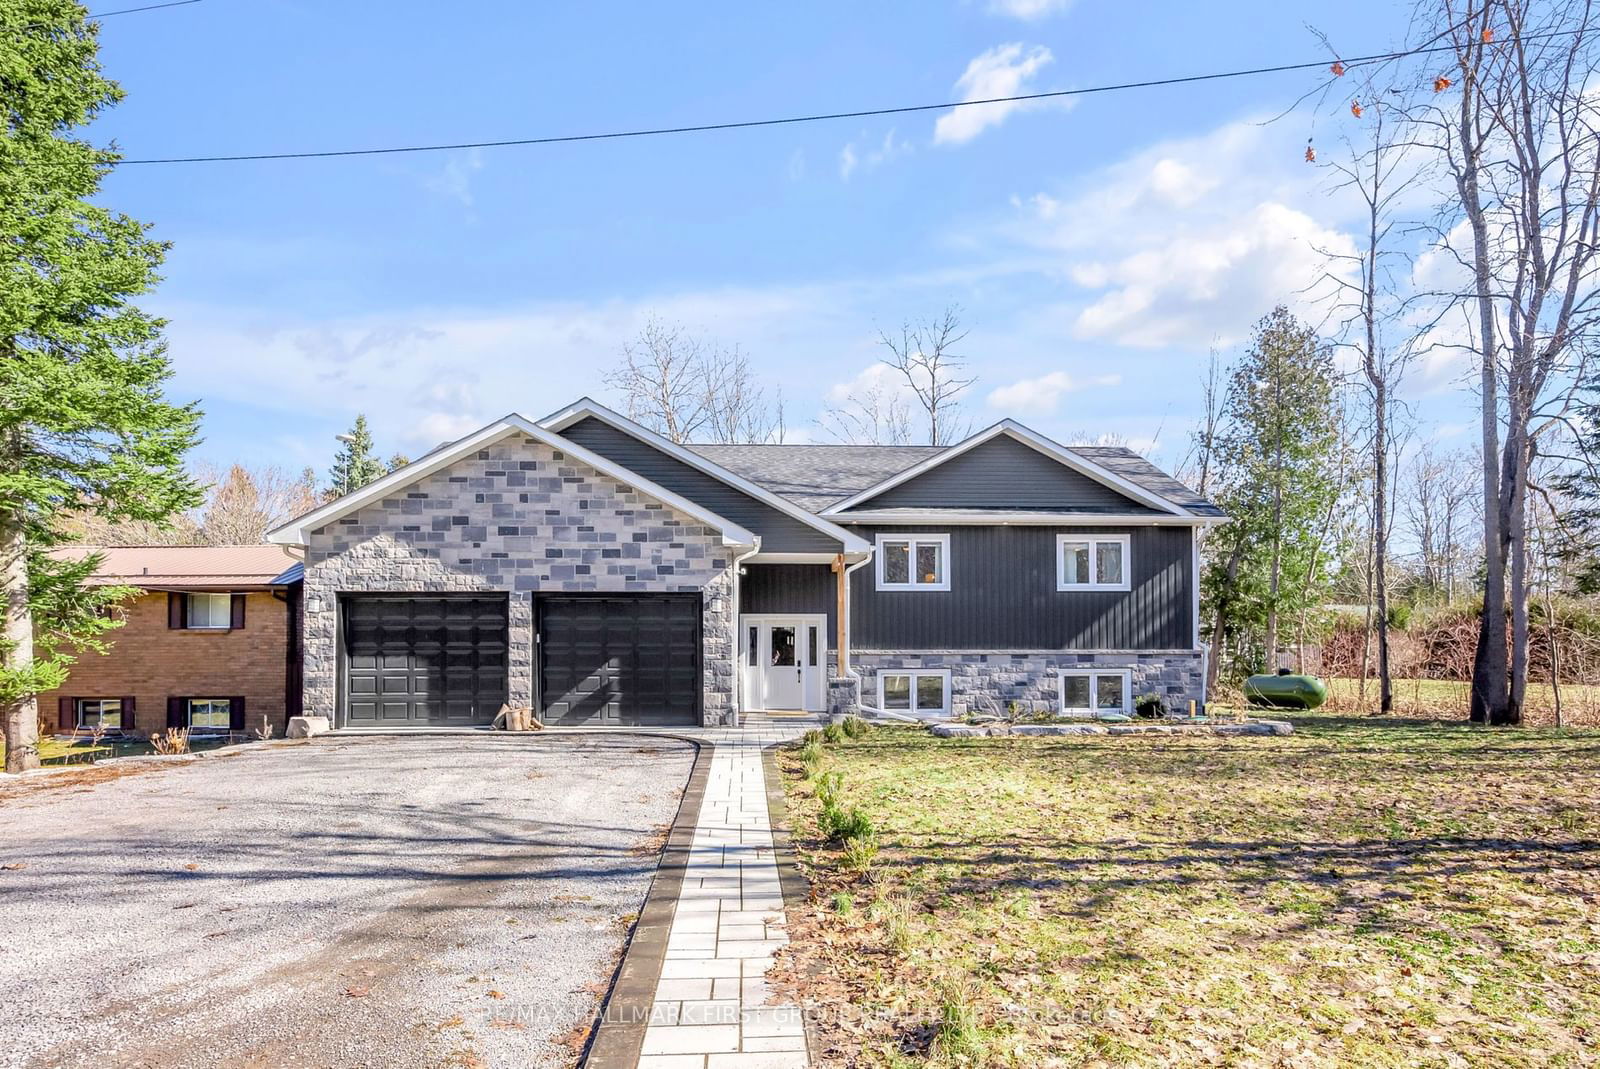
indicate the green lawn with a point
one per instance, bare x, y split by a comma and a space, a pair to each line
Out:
1361, 893
58, 751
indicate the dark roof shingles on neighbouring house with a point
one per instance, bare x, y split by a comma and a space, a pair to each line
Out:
817, 476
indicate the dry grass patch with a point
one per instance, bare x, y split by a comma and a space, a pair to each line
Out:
1362, 893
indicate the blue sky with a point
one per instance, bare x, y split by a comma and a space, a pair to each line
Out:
1097, 250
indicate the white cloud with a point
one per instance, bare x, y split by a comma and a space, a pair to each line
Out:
1028, 10
454, 179
870, 156
1189, 242
1042, 395
1005, 70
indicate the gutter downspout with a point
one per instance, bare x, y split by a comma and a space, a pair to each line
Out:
849, 669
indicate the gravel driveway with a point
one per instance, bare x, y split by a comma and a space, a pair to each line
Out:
361, 902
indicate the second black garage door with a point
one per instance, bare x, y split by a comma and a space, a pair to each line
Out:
419, 661
622, 660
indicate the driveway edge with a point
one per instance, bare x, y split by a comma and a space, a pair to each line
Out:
619, 1038
796, 888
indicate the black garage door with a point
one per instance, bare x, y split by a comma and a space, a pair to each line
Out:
420, 661
624, 659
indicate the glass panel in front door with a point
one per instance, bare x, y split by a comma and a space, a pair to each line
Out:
783, 647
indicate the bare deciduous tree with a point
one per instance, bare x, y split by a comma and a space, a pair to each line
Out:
872, 415
925, 357
687, 388
1519, 137
243, 504
1437, 505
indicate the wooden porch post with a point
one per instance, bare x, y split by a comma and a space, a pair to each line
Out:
843, 653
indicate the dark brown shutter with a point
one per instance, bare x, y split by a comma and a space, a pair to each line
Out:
127, 715
177, 611
177, 716
237, 620
236, 705
67, 714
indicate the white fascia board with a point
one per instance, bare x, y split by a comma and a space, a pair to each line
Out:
1038, 519
1030, 438
297, 531
806, 558
587, 406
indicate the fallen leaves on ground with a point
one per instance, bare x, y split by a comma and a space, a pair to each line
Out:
1361, 893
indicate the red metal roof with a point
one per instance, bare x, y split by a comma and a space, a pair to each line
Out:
199, 567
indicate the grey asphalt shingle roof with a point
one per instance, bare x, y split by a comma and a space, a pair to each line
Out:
816, 476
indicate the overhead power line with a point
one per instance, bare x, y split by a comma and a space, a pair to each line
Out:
135, 10
791, 120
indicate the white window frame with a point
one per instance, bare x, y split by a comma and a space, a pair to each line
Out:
1094, 541
188, 714
915, 674
211, 600
80, 708
913, 541
1091, 674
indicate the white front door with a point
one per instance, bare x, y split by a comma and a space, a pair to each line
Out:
784, 666
784, 662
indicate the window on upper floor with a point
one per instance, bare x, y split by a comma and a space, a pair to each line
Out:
209, 612
1092, 562
914, 562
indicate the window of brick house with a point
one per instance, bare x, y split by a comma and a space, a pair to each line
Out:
209, 612
105, 713
210, 714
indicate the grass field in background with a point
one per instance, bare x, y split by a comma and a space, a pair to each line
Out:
1364, 892
1443, 699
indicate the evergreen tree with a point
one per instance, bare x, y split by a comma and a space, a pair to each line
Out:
1280, 441
83, 421
356, 464
1582, 522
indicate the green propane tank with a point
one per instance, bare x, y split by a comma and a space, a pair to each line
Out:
1285, 691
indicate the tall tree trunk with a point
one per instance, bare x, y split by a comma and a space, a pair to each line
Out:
1517, 534
1489, 694
1380, 534
22, 715
1219, 627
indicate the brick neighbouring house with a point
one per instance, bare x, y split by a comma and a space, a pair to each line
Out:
210, 643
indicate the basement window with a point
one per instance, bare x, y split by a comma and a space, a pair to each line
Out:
104, 713
210, 714
924, 693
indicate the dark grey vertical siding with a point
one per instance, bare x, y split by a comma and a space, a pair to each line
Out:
1006, 474
780, 532
1003, 596
799, 588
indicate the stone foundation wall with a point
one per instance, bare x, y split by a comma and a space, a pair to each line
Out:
520, 518
990, 682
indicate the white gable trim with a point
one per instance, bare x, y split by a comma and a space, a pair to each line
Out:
585, 407
1027, 437
297, 531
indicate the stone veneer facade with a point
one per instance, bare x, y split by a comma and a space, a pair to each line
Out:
520, 518
990, 682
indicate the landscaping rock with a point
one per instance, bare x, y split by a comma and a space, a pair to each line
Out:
147, 759
306, 727
968, 731
1059, 729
